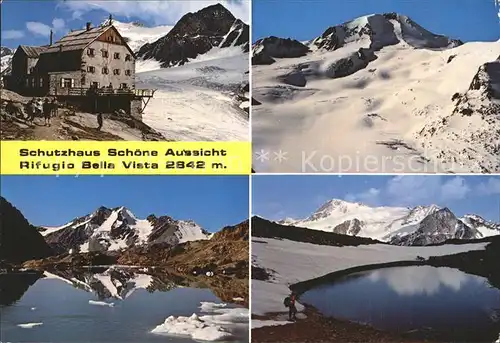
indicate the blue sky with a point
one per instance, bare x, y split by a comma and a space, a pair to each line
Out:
468, 20
29, 22
278, 197
211, 201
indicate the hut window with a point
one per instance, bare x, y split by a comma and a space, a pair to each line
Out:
27, 82
32, 69
91, 52
67, 83
41, 82
116, 72
33, 85
117, 55
105, 53
95, 84
123, 86
105, 70
127, 72
128, 57
91, 69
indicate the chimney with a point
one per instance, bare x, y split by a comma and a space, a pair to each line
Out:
51, 36
89, 25
110, 19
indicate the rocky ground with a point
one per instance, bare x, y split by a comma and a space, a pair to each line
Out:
316, 328
71, 125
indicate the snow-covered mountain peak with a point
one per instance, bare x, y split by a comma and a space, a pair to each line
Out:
380, 30
336, 206
119, 228
419, 225
195, 34
418, 213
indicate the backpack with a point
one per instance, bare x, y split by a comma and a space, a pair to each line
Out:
286, 302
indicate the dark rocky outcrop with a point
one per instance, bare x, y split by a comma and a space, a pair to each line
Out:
351, 64
267, 229
266, 49
294, 78
19, 240
195, 34
349, 227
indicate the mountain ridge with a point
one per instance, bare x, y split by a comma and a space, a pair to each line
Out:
419, 225
195, 34
109, 229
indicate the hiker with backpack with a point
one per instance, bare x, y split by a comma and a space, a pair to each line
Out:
290, 303
99, 121
47, 109
30, 111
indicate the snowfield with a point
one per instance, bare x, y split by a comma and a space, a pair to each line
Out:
381, 117
194, 101
292, 262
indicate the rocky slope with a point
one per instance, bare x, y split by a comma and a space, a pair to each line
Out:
113, 229
70, 125
196, 34
479, 106
421, 225
226, 251
19, 240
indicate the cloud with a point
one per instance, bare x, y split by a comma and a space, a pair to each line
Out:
38, 28
58, 25
369, 197
411, 190
271, 210
490, 187
12, 34
414, 190
159, 12
454, 189
41, 29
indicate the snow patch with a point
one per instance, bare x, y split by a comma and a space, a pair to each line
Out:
101, 303
263, 323
29, 325
211, 327
192, 327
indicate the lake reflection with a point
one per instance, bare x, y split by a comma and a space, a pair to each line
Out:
109, 305
444, 303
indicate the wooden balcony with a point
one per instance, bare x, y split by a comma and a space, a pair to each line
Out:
85, 91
